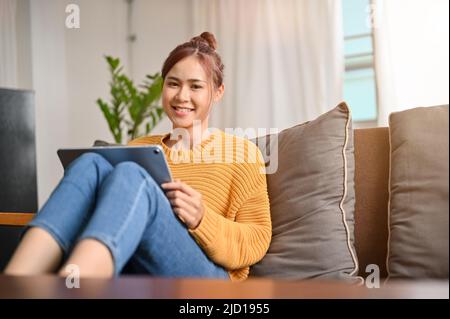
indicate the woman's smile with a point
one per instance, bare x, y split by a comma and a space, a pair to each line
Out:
182, 111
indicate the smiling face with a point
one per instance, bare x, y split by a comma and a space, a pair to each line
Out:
188, 94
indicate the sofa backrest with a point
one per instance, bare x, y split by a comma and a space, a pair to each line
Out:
371, 194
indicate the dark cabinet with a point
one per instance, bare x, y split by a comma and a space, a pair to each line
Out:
18, 181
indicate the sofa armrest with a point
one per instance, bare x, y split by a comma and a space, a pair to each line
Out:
15, 219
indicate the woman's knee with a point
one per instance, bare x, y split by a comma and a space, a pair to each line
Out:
131, 169
131, 176
92, 158
88, 159
89, 164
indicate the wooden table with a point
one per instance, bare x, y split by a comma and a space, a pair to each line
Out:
147, 287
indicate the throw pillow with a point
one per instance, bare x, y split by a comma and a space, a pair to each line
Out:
312, 200
418, 199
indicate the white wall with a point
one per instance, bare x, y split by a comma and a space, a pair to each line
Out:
69, 72
102, 32
50, 85
412, 54
8, 44
15, 44
159, 26
23, 45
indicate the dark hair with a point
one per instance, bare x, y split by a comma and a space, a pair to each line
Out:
204, 48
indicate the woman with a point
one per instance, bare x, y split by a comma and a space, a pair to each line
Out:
212, 221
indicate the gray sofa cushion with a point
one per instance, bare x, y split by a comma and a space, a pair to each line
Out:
103, 143
312, 201
418, 202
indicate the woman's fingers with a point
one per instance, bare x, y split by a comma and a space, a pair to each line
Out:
176, 195
186, 202
177, 184
181, 203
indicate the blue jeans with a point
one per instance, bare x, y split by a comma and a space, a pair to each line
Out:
125, 209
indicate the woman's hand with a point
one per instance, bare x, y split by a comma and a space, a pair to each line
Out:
186, 202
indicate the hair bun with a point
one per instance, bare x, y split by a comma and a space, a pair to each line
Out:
206, 38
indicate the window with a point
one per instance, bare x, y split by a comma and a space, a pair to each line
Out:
359, 80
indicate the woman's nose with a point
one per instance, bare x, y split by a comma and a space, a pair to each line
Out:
183, 94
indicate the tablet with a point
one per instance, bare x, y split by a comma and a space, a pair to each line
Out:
150, 157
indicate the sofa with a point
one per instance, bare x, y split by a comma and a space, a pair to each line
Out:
371, 194
371, 186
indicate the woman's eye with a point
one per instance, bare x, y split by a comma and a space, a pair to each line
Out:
196, 87
172, 84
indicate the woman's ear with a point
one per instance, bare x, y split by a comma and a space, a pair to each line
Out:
219, 93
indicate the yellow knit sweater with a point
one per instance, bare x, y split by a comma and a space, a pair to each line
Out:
228, 171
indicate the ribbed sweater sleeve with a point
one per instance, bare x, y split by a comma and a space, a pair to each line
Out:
241, 242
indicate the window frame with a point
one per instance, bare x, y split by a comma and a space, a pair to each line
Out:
364, 65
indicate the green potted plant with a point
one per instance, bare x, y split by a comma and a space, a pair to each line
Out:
133, 110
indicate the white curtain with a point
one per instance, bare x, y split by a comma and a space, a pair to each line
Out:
283, 59
8, 46
411, 54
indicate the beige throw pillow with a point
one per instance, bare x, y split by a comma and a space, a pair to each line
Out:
418, 204
312, 201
